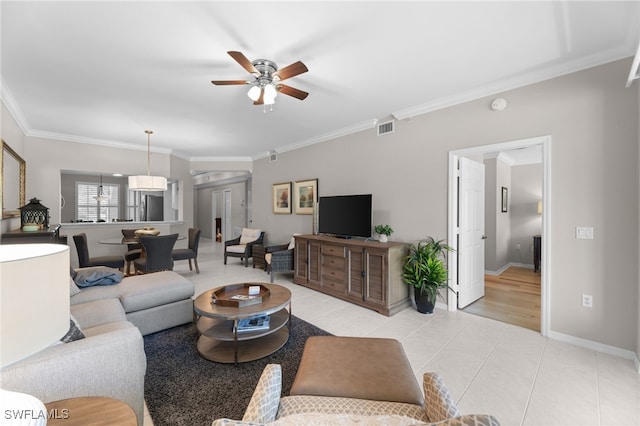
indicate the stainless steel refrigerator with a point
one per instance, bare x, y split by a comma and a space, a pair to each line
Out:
153, 208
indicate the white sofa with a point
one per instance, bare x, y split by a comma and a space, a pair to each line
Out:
110, 360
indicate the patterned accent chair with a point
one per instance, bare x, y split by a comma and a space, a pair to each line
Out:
267, 407
242, 246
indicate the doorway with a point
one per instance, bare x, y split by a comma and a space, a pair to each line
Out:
458, 261
221, 215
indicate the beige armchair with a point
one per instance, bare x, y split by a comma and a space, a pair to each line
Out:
242, 246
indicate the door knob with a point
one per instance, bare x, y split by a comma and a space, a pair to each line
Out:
484, 237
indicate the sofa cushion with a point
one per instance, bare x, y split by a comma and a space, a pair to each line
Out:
141, 291
156, 289
238, 248
96, 312
376, 369
248, 235
301, 404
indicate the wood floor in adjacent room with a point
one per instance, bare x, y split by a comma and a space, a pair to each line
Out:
512, 297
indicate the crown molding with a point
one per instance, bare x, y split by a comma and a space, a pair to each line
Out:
345, 131
517, 82
12, 106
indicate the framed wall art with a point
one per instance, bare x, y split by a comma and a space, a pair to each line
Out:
505, 199
305, 196
281, 194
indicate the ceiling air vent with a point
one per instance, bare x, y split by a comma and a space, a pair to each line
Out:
385, 128
273, 156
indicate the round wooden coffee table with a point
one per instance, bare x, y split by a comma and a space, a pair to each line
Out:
217, 325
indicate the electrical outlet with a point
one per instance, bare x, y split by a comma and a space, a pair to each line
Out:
587, 301
517, 246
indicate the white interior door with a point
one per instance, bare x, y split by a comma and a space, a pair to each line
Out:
471, 232
227, 234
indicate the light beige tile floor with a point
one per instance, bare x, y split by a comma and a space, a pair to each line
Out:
513, 373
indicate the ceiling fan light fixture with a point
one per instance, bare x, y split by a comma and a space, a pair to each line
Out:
148, 182
254, 93
270, 93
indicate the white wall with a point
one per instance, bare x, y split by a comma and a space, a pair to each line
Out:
593, 121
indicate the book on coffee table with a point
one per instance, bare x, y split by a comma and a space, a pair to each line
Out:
260, 322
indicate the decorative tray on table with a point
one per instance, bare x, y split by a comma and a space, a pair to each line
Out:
238, 295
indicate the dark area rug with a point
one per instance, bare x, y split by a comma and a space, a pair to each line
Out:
182, 388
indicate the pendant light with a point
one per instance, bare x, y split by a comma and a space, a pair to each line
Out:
148, 182
101, 197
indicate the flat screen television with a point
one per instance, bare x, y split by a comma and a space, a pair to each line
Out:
345, 215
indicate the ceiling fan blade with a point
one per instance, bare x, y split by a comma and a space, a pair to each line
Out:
260, 100
291, 71
229, 82
244, 62
292, 91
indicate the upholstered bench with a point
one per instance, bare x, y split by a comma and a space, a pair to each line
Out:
364, 368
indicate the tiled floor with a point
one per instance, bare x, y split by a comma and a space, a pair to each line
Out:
490, 367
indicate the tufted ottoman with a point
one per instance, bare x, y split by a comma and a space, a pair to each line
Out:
356, 367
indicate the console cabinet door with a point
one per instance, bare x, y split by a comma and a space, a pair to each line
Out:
376, 273
301, 260
355, 279
314, 277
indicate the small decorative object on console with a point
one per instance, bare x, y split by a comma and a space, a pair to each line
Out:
34, 213
383, 231
147, 230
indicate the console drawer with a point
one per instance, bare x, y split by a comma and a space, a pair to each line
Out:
331, 250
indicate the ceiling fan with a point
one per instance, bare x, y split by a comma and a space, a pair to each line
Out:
267, 78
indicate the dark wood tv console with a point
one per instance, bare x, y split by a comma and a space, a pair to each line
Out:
367, 273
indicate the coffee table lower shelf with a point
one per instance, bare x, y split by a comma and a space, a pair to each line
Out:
218, 342
225, 351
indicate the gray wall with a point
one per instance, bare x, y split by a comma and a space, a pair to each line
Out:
593, 121
239, 216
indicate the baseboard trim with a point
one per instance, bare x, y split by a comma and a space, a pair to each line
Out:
507, 266
598, 347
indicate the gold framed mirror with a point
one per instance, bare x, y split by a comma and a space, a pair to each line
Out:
13, 171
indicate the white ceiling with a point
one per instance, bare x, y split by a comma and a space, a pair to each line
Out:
103, 72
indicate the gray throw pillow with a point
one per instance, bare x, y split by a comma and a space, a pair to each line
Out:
97, 275
74, 332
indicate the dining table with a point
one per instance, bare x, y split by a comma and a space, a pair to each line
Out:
126, 241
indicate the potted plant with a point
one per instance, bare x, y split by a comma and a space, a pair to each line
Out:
383, 231
425, 269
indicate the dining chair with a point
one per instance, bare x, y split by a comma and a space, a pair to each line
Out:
85, 261
191, 252
157, 252
134, 250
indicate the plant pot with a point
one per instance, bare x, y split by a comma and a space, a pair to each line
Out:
383, 238
423, 304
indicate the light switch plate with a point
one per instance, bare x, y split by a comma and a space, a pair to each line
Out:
584, 233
